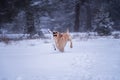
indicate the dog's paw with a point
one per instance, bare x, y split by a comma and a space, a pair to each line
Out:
54, 48
71, 46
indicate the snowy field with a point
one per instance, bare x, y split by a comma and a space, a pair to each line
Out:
89, 59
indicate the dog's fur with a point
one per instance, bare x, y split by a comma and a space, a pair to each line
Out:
61, 39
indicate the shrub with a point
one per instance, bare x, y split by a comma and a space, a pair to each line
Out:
103, 31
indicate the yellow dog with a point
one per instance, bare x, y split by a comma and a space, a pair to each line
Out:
61, 39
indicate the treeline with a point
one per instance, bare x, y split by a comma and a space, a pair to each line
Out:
29, 16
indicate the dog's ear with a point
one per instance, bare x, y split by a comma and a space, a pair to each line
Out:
49, 31
67, 30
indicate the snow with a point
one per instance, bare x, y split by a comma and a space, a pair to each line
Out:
89, 59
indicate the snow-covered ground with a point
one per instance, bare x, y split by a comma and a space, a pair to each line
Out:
89, 59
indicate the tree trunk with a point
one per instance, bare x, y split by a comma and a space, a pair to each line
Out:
30, 28
88, 21
77, 17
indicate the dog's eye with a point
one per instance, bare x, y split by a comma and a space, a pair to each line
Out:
54, 32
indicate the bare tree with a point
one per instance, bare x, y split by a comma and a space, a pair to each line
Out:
78, 4
88, 14
30, 28
77, 15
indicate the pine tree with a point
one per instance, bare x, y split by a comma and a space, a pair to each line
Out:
103, 22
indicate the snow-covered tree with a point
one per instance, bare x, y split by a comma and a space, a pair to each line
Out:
103, 22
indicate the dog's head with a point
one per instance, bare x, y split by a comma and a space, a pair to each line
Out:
55, 34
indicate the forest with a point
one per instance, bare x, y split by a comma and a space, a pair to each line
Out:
30, 16
89, 50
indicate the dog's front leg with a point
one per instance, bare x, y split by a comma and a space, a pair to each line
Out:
54, 46
70, 39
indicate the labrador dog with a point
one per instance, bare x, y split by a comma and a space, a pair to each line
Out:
61, 40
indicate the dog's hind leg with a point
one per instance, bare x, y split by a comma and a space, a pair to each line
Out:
71, 46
